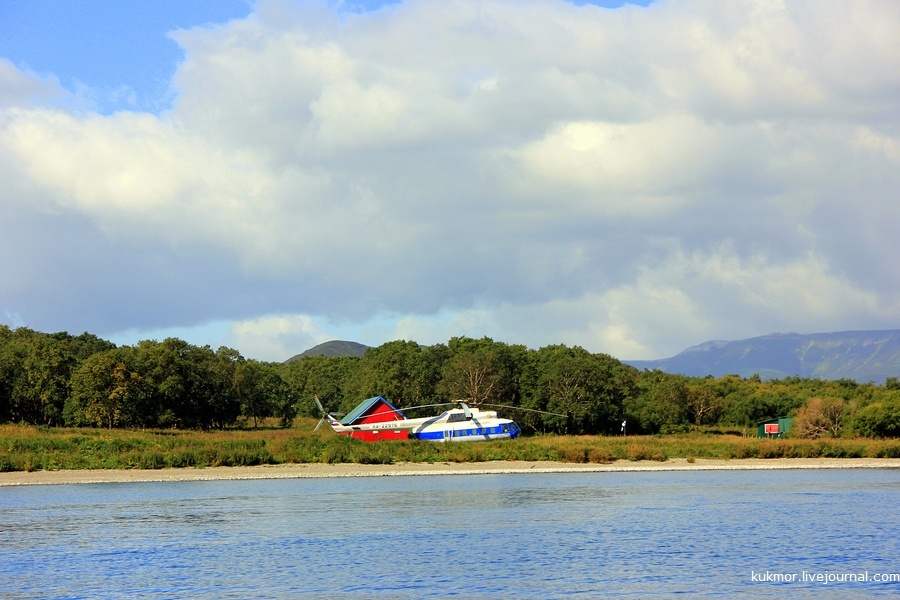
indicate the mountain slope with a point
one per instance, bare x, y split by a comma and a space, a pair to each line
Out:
332, 349
859, 355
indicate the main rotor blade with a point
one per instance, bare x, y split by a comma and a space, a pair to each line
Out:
534, 410
425, 406
466, 411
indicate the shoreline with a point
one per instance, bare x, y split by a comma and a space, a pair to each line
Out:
320, 470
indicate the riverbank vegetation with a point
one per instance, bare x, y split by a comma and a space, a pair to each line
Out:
31, 448
61, 380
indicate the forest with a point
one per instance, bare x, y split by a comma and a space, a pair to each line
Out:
63, 380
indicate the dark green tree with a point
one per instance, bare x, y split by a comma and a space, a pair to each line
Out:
662, 405
880, 419
259, 388
482, 371
591, 388
106, 392
42, 386
224, 402
187, 383
327, 378
401, 371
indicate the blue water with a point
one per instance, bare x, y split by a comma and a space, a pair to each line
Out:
579, 535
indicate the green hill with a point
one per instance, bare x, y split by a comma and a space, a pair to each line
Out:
332, 349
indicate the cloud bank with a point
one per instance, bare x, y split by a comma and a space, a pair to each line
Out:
632, 181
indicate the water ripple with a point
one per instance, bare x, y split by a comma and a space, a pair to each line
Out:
577, 535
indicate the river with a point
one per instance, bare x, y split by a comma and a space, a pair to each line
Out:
816, 533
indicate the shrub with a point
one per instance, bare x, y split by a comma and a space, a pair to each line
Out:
575, 455
152, 460
879, 419
744, 451
600, 455
637, 452
7, 464
892, 451
769, 450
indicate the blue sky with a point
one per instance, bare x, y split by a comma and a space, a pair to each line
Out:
633, 179
118, 54
119, 51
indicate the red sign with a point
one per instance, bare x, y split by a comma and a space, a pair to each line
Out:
772, 428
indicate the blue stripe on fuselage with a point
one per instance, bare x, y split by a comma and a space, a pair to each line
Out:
469, 434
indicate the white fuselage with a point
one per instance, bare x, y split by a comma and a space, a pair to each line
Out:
456, 425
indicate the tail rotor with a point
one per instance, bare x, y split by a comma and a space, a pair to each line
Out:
325, 414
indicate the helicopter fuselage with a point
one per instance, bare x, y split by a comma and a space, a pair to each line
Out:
455, 425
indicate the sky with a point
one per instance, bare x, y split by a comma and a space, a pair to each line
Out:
631, 178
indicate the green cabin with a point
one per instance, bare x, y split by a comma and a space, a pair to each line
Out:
774, 428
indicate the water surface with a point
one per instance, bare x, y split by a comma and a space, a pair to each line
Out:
578, 535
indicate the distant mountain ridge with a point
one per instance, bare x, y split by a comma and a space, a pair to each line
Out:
332, 349
862, 356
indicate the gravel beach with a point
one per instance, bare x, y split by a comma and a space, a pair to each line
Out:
296, 471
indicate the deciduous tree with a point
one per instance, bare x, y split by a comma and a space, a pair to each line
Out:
819, 417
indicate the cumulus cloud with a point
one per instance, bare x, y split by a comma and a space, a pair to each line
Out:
276, 337
22, 88
632, 180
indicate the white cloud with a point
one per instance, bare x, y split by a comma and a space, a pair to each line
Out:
22, 87
867, 140
621, 169
276, 338
474, 322
633, 181
692, 296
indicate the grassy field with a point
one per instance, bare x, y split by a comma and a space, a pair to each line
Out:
27, 448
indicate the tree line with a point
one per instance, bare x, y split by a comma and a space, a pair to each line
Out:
59, 379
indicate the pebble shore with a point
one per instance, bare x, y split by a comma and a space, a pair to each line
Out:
298, 471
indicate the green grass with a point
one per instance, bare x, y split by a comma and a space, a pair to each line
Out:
27, 448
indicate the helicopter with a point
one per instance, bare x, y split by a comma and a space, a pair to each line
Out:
376, 419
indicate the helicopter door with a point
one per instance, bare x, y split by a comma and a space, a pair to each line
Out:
448, 434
